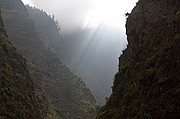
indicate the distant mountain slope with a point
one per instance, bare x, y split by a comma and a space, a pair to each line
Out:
147, 85
19, 99
88, 52
68, 94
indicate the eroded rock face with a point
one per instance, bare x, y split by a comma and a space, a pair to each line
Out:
147, 85
68, 94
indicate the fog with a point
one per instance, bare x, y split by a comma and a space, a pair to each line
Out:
74, 14
70, 13
93, 34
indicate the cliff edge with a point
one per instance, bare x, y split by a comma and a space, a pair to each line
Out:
147, 85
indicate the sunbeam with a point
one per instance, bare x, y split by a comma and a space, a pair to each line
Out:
110, 12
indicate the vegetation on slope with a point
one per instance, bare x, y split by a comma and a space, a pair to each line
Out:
82, 50
147, 85
68, 94
18, 97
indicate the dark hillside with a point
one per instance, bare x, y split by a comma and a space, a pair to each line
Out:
47, 28
147, 85
68, 94
18, 97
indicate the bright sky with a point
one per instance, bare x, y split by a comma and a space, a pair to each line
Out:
110, 12
28, 2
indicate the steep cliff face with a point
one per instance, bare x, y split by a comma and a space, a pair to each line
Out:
69, 95
147, 85
19, 99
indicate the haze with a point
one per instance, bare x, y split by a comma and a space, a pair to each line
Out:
77, 14
93, 34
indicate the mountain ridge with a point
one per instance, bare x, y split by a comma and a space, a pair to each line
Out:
19, 98
66, 91
87, 52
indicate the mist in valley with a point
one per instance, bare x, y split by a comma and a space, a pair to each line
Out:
89, 59
91, 39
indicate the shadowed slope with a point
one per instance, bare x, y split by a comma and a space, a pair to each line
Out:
67, 92
19, 99
147, 85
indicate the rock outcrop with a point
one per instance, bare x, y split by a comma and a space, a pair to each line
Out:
147, 85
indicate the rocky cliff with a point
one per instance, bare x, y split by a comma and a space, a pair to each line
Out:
147, 85
68, 94
18, 96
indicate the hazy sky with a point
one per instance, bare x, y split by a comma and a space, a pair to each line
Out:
75, 14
